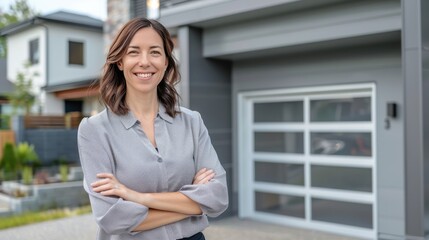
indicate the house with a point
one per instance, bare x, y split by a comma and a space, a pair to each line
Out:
318, 109
66, 52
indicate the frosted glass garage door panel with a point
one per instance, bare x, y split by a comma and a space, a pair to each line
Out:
341, 143
279, 142
346, 213
279, 173
278, 112
344, 178
341, 110
280, 204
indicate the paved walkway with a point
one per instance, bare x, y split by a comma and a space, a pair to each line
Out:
84, 228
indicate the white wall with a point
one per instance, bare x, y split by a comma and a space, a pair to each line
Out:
19, 53
51, 104
59, 69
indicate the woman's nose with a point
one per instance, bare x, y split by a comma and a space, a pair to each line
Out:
144, 60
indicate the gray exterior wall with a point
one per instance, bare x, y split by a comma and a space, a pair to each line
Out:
415, 42
425, 63
298, 31
379, 64
285, 44
209, 83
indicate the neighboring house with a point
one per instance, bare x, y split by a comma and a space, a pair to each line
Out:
66, 51
5, 87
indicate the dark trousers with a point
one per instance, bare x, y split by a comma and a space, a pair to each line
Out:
198, 236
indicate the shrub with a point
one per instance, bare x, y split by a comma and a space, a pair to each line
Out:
27, 157
9, 163
4, 122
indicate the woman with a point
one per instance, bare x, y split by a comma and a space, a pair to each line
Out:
149, 166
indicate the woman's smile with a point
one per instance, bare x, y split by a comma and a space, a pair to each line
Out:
144, 76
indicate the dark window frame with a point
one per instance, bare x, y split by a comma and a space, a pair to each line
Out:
76, 53
34, 51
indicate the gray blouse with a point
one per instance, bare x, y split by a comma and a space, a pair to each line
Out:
117, 144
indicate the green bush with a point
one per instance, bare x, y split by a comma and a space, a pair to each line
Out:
18, 158
27, 157
9, 164
4, 122
63, 165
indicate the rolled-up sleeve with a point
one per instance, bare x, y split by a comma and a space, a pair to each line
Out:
212, 196
114, 215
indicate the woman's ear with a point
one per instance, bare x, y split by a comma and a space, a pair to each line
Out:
119, 64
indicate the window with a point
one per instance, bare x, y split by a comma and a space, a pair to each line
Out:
34, 51
76, 53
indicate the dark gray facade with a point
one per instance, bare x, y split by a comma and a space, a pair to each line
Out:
210, 82
232, 47
415, 63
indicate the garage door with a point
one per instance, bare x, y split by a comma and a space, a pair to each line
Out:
307, 158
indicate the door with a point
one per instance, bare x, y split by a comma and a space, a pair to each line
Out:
307, 158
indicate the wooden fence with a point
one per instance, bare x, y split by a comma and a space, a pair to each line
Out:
5, 137
70, 120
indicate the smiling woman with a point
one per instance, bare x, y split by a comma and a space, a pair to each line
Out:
150, 169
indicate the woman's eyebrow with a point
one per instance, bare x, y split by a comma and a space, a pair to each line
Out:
151, 47
155, 46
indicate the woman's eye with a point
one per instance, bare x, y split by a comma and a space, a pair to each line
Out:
132, 52
156, 53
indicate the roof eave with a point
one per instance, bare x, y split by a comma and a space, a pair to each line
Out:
14, 28
17, 27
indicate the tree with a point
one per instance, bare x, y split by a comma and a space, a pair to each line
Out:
19, 11
22, 97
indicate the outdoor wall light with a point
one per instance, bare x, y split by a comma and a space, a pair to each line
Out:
392, 110
391, 113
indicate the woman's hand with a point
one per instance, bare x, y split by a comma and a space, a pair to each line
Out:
110, 186
203, 176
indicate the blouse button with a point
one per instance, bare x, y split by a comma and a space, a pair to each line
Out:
159, 160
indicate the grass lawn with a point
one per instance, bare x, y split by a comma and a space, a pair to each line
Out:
34, 217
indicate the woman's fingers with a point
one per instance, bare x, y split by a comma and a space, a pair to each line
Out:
104, 187
100, 182
203, 176
108, 185
105, 175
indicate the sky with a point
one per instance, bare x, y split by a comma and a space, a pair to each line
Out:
92, 8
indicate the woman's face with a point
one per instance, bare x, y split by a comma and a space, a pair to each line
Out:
144, 62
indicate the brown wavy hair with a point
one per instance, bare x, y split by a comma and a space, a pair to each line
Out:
113, 86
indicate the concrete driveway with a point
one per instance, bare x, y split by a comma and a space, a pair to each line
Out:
84, 228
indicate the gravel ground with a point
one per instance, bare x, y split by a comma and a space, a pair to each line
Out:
84, 228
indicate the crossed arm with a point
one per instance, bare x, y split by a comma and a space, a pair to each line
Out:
164, 208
